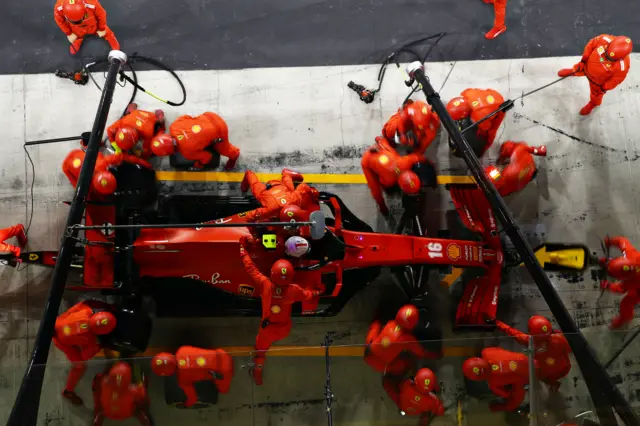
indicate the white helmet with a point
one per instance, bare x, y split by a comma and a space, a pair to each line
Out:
296, 246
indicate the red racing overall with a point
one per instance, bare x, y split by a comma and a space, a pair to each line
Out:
73, 163
500, 11
276, 310
520, 170
483, 102
382, 167
415, 117
414, 397
10, 232
76, 335
625, 269
116, 398
146, 125
278, 194
552, 353
605, 68
506, 373
93, 21
196, 365
386, 347
193, 135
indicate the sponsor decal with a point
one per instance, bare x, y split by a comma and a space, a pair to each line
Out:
215, 278
492, 221
513, 365
500, 257
473, 295
246, 290
475, 253
453, 252
435, 250
243, 214
494, 301
33, 257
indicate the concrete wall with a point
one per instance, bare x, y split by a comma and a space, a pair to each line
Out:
308, 119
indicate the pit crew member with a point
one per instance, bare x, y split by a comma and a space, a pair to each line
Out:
76, 335
115, 397
136, 126
80, 18
414, 396
103, 181
415, 125
10, 232
385, 170
389, 348
605, 62
192, 365
277, 194
278, 293
552, 349
625, 269
520, 169
473, 105
195, 138
506, 373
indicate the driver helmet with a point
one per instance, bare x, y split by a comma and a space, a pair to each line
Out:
296, 247
458, 108
102, 323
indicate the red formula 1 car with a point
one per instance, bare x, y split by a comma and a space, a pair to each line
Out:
197, 271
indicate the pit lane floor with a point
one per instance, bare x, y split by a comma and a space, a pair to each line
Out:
306, 118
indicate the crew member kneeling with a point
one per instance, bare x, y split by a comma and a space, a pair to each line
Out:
115, 397
195, 137
520, 170
415, 126
192, 365
415, 397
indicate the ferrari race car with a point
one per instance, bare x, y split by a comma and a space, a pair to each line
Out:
137, 243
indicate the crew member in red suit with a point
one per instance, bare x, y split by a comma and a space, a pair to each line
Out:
76, 335
277, 293
10, 232
625, 269
552, 349
192, 365
476, 104
385, 169
80, 18
277, 194
605, 62
195, 137
506, 373
104, 182
415, 397
520, 168
386, 347
115, 397
137, 125
415, 125
500, 10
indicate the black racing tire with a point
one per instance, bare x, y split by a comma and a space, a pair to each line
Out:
173, 394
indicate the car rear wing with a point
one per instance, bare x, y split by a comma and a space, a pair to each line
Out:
604, 392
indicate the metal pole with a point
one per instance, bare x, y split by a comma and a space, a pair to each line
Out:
533, 406
25, 408
192, 225
56, 140
602, 389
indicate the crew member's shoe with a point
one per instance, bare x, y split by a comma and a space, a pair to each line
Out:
22, 236
495, 32
566, 72
72, 397
75, 46
586, 110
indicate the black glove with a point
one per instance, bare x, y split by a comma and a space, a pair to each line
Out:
265, 323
